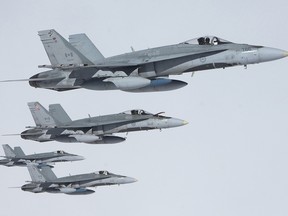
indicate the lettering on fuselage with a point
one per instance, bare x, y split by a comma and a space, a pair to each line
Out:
69, 54
153, 53
246, 49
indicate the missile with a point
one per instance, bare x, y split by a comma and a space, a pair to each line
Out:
77, 191
67, 190
128, 83
160, 84
134, 84
89, 139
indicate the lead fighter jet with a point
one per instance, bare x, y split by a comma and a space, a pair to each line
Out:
55, 124
45, 180
17, 157
79, 64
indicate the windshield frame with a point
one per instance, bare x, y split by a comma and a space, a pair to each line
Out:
137, 112
207, 40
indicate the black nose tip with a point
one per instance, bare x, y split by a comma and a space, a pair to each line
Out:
34, 83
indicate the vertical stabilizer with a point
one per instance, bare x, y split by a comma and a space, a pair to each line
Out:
8, 151
47, 172
35, 173
57, 112
59, 50
19, 152
82, 43
40, 115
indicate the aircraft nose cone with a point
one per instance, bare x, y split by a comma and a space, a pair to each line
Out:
173, 122
270, 54
128, 180
79, 157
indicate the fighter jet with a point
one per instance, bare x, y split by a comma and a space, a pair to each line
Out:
45, 180
17, 157
79, 64
55, 124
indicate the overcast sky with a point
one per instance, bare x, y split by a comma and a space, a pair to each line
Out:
231, 159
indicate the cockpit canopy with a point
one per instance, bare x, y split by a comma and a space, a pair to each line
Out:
137, 112
207, 40
60, 152
103, 172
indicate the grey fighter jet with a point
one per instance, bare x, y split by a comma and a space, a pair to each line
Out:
55, 124
79, 64
45, 180
17, 157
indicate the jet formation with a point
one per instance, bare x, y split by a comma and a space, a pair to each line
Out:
55, 124
16, 157
79, 64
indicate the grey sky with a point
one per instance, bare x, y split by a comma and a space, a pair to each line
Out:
231, 159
